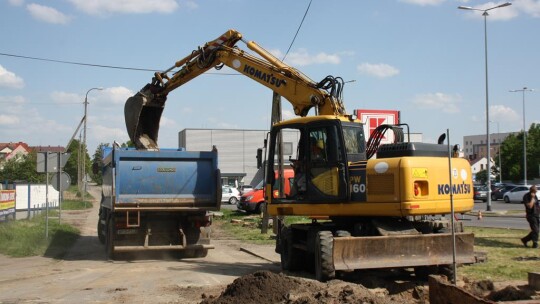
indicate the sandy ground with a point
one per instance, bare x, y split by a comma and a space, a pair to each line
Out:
85, 275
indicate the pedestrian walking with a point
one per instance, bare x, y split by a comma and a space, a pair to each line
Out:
532, 209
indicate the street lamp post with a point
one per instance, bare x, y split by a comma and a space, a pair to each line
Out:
83, 169
499, 139
525, 89
485, 14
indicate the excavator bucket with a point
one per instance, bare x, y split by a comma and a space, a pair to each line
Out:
142, 115
402, 251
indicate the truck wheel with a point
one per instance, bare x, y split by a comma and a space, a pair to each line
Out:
193, 253
109, 241
324, 262
290, 257
100, 232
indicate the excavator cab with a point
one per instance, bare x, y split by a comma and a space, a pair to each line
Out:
324, 147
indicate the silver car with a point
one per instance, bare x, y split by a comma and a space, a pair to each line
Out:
516, 194
229, 195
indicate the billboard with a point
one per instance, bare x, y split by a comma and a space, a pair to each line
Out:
374, 118
7, 202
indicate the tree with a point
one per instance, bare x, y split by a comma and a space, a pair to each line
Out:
72, 165
22, 168
97, 163
512, 155
481, 177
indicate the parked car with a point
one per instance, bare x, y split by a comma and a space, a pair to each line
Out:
480, 193
229, 195
245, 188
499, 192
516, 194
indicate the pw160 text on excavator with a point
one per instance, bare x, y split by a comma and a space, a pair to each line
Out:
382, 212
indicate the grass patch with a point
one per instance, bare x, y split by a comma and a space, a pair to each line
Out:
23, 238
252, 232
507, 259
71, 204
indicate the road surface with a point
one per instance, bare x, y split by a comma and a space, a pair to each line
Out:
85, 276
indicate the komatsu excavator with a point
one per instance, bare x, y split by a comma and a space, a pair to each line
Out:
367, 212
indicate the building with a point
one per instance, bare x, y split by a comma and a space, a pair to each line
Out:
480, 164
475, 146
12, 151
237, 150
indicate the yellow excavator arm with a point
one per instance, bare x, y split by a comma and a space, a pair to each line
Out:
143, 111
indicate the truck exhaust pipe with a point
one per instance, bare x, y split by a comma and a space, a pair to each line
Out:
142, 113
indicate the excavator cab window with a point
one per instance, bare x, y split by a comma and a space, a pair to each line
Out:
319, 161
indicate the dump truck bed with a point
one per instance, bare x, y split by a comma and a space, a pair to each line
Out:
162, 180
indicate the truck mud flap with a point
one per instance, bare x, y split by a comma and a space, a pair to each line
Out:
351, 253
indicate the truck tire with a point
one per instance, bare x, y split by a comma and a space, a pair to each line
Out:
101, 228
324, 262
100, 232
109, 241
193, 253
290, 257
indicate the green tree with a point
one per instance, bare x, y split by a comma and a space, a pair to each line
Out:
481, 177
97, 164
512, 155
22, 168
72, 165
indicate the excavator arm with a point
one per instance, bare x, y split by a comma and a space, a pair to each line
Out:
143, 111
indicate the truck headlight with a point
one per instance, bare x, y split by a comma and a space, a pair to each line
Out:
249, 198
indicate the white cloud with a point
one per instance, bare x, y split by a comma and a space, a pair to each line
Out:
303, 58
64, 97
501, 113
423, 2
530, 7
103, 7
380, 70
189, 4
167, 122
503, 13
102, 134
10, 80
16, 2
14, 100
114, 95
445, 102
47, 14
286, 114
6, 120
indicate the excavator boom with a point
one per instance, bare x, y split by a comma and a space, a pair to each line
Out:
143, 111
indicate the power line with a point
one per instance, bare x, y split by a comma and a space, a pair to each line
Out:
98, 65
77, 63
298, 30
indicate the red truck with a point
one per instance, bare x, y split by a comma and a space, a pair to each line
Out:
252, 200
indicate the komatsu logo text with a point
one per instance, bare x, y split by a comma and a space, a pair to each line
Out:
268, 78
456, 188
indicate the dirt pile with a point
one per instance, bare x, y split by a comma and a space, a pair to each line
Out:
266, 287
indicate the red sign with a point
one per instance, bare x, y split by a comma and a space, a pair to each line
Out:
374, 118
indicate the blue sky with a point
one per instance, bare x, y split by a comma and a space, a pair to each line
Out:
424, 58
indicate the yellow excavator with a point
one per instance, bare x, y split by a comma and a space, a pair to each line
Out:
372, 205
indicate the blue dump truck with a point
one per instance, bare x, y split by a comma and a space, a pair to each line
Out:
158, 200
